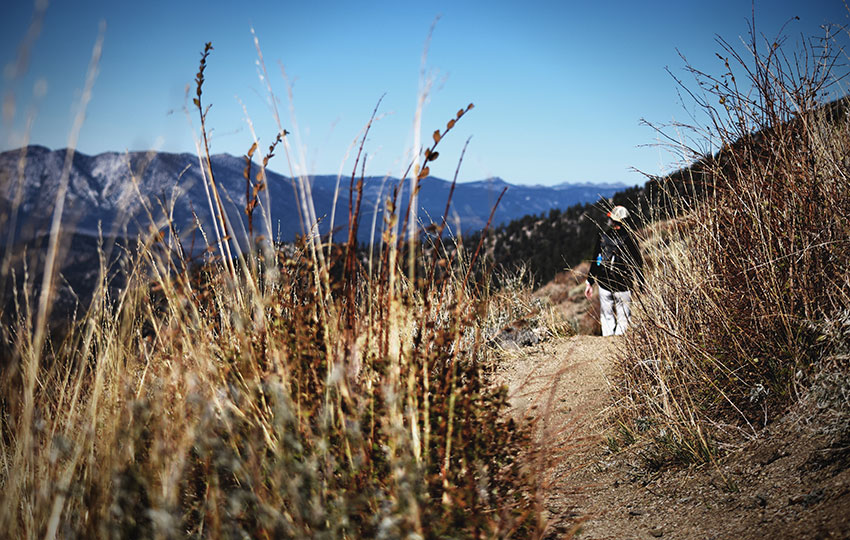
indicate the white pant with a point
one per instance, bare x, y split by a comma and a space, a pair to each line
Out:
609, 302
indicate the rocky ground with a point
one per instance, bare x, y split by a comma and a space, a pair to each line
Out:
792, 480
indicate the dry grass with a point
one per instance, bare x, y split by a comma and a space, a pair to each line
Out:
266, 395
745, 278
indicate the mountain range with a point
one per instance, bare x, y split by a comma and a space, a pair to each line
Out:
118, 193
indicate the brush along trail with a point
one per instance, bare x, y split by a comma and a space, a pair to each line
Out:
792, 481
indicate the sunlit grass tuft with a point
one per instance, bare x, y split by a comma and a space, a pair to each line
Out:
745, 276
282, 392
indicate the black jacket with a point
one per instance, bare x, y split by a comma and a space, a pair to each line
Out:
625, 272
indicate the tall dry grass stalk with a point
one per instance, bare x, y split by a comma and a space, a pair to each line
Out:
266, 395
752, 267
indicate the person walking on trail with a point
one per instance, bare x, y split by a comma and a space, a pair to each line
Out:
617, 270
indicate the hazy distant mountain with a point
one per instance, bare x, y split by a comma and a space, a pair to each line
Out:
109, 189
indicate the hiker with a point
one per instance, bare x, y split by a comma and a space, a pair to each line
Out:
617, 270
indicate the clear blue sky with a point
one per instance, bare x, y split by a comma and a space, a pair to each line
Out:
559, 87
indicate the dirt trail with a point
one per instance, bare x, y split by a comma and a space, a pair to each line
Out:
793, 481
563, 384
